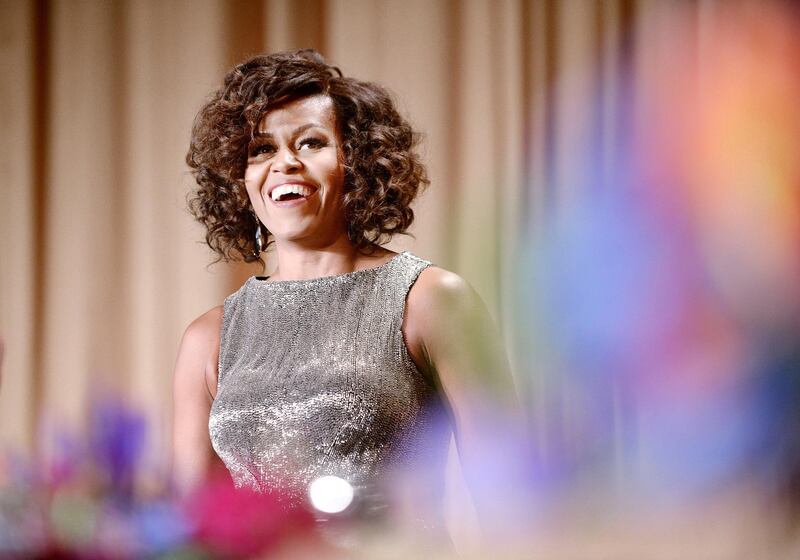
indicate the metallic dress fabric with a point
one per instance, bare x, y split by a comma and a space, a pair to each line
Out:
315, 379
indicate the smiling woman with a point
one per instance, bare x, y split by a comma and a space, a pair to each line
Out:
344, 361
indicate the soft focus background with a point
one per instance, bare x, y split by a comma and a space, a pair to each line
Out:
618, 179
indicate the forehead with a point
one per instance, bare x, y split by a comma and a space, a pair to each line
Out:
317, 109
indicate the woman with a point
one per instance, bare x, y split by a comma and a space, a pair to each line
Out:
336, 363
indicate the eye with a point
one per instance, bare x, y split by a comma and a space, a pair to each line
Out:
261, 149
311, 143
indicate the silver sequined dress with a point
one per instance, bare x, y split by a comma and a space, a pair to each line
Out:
315, 379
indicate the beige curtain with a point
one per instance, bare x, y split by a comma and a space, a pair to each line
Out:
102, 266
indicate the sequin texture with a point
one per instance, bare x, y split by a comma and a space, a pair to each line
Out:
315, 379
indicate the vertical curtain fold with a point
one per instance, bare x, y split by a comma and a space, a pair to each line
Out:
20, 152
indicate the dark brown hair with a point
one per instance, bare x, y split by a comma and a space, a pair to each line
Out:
383, 174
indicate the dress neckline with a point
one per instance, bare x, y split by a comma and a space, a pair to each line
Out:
262, 280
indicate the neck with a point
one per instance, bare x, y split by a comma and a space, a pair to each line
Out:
295, 262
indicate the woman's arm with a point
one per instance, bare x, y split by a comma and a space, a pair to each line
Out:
194, 389
451, 334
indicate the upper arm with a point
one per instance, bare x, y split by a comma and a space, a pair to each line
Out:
451, 334
194, 388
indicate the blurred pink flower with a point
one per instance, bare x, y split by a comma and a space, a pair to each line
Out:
242, 523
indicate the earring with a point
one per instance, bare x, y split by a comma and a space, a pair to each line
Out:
259, 238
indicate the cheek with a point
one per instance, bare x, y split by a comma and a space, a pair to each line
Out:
252, 194
335, 175
250, 175
253, 179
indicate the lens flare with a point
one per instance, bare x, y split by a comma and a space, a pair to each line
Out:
330, 494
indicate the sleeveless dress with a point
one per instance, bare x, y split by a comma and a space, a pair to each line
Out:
315, 379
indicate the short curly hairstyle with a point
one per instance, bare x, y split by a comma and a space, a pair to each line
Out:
383, 174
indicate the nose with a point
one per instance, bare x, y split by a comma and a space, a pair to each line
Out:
286, 162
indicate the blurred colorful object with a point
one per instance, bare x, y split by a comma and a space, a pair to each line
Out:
240, 523
86, 504
662, 312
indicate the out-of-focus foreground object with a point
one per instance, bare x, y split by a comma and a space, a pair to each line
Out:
663, 306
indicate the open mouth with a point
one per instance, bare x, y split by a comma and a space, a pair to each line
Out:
292, 191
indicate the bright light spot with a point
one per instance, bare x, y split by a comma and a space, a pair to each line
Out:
330, 494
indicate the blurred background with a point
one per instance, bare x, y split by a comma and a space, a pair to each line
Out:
618, 179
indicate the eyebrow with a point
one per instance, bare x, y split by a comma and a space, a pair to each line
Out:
296, 131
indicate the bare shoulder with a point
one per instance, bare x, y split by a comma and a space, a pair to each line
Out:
438, 301
199, 351
438, 289
206, 327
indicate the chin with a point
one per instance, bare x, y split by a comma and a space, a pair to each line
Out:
292, 235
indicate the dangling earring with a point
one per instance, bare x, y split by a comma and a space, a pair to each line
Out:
259, 238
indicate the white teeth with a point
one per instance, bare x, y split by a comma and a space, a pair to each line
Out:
302, 190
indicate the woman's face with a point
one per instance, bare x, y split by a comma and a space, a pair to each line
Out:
295, 173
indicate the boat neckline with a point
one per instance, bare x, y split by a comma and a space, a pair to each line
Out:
263, 280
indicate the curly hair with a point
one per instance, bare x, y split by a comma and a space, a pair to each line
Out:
383, 174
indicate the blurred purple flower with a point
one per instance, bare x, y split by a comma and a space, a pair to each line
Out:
116, 441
